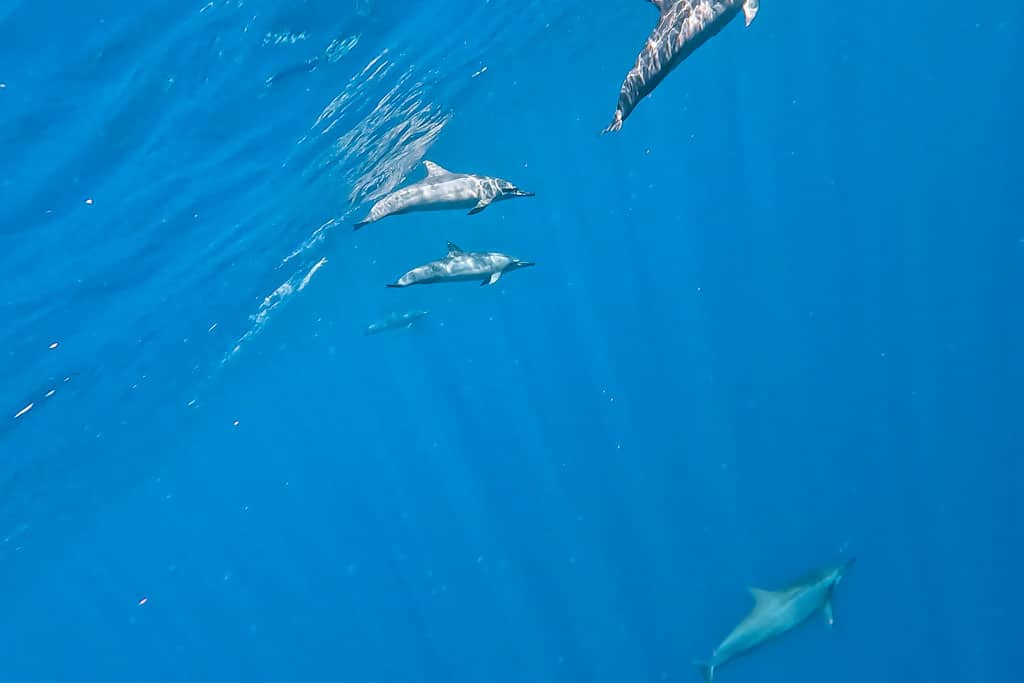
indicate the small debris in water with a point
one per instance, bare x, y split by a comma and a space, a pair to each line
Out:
54, 345
143, 601
235, 423
24, 410
89, 201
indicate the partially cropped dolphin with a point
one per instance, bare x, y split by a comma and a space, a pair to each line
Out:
684, 26
442, 189
459, 265
775, 613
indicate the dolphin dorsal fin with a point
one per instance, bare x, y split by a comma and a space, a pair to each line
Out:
435, 169
763, 598
453, 249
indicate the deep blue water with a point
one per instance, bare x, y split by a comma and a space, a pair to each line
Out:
775, 323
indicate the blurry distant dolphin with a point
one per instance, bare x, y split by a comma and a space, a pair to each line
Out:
684, 26
776, 613
394, 321
442, 189
460, 265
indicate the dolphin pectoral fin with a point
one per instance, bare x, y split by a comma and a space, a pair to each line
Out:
750, 10
492, 279
707, 671
827, 609
361, 224
480, 206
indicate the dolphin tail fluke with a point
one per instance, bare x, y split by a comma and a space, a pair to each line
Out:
615, 125
707, 671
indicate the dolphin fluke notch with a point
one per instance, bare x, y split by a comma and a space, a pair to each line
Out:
707, 671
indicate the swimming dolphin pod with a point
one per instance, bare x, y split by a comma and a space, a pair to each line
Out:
775, 613
442, 190
684, 25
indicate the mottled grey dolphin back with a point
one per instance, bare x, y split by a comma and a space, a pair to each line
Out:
684, 25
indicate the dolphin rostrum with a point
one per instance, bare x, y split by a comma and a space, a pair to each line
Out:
459, 265
393, 321
684, 26
442, 189
775, 613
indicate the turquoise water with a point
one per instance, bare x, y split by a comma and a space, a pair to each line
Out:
774, 324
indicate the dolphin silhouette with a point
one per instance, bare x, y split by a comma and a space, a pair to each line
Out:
775, 613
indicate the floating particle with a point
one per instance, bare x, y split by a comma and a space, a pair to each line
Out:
24, 410
235, 423
54, 345
2, 86
89, 201
143, 601
50, 393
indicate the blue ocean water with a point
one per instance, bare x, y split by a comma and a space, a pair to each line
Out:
775, 323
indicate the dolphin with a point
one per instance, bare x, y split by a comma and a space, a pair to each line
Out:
775, 613
442, 189
684, 26
394, 321
459, 265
